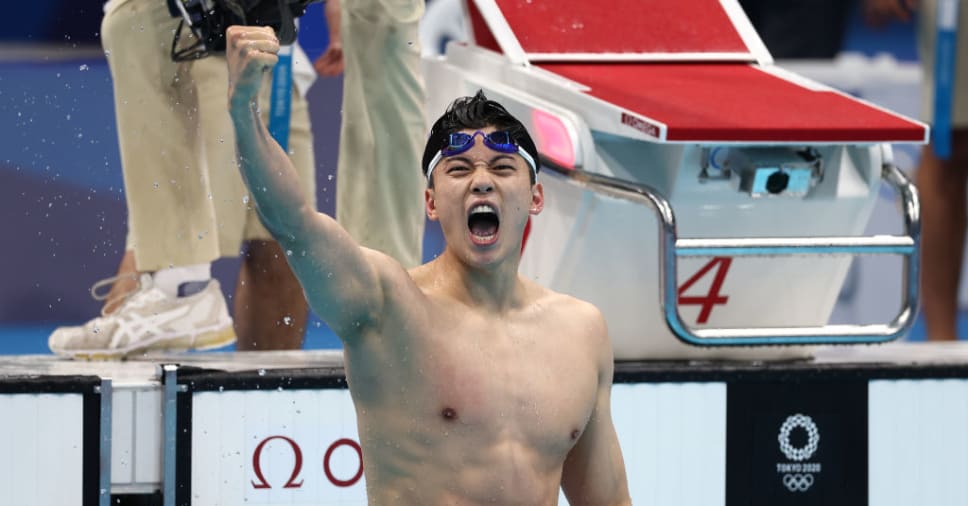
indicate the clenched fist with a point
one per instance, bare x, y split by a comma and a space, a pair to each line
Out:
250, 52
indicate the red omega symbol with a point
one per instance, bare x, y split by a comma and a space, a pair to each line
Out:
257, 464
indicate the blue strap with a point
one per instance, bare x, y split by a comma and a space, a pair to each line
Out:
945, 51
281, 98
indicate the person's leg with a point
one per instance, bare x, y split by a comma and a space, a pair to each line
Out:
270, 308
157, 114
379, 183
941, 184
172, 303
126, 282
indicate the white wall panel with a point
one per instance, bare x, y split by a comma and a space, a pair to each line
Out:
918, 433
673, 438
41, 449
228, 427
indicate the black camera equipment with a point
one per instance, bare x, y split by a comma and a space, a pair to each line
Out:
207, 21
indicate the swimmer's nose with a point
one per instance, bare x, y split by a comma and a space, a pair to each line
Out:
483, 186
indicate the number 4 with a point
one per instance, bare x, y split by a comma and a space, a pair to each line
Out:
713, 298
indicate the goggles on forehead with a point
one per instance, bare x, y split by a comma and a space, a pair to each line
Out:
499, 140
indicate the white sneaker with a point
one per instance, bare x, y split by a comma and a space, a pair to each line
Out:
149, 319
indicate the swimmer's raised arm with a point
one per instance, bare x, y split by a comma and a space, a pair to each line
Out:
594, 470
340, 278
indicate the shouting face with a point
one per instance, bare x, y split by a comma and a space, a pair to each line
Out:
482, 197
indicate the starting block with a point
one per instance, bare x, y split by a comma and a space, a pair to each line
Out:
701, 196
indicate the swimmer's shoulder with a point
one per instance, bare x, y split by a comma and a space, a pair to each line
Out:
424, 276
569, 308
585, 323
395, 279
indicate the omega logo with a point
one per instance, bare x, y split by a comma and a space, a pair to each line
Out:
294, 480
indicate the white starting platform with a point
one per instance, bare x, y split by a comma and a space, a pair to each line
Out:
883, 426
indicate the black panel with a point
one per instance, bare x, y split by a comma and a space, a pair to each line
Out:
199, 380
796, 443
154, 499
183, 450
91, 452
728, 372
48, 384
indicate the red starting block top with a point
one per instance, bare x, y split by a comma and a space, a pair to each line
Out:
571, 30
735, 102
681, 71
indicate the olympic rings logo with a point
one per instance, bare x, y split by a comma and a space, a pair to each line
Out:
798, 482
813, 438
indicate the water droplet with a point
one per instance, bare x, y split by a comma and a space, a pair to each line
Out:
330, 177
96, 330
262, 372
288, 252
107, 52
245, 199
155, 184
221, 388
83, 67
287, 320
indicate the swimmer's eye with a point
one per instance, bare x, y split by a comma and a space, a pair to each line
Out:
505, 167
457, 168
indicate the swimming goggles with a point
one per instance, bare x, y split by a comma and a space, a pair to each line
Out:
499, 140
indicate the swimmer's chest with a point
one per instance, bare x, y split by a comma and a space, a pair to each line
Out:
537, 380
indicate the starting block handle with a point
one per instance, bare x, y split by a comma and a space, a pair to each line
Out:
671, 247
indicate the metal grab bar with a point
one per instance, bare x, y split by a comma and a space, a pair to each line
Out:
671, 247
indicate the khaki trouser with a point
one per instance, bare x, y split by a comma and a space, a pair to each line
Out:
186, 200
927, 31
379, 184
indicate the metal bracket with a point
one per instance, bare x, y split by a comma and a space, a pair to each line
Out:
105, 390
671, 247
170, 430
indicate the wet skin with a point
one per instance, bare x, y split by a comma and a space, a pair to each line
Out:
476, 384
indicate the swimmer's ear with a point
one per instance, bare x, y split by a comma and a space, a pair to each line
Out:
430, 204
537, 198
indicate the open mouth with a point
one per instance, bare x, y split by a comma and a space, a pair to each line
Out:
483, 222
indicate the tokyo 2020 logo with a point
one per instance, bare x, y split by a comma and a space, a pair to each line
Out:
813, 437
797, 475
